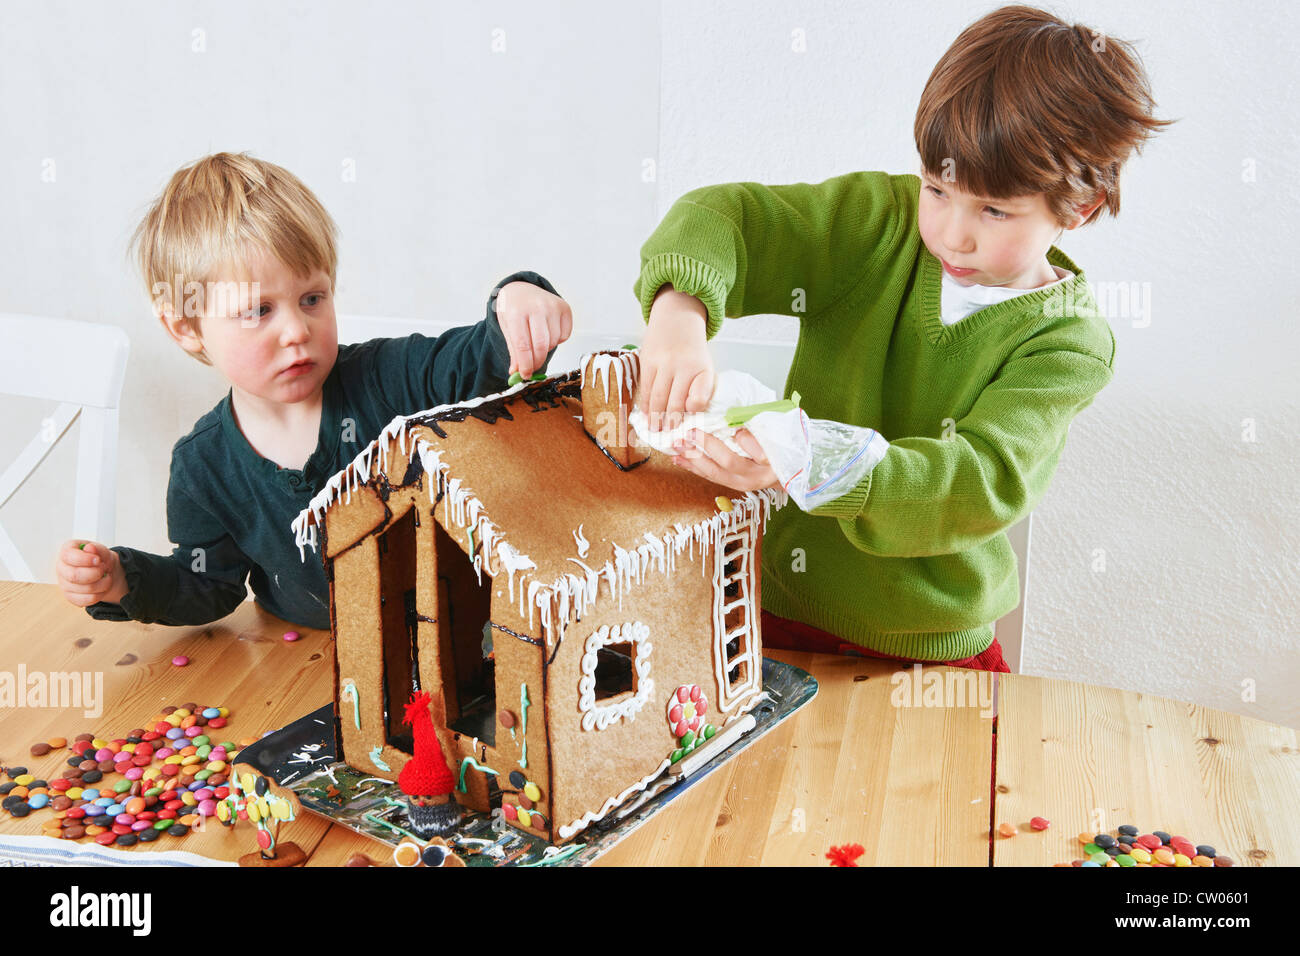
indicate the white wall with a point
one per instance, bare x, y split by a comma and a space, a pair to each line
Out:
1165, 554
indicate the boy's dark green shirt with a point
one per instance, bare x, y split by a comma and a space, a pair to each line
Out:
229, 510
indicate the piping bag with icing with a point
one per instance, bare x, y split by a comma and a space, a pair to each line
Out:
816, 460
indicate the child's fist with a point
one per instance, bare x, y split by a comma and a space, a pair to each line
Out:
534, 321
676, 368
89, 573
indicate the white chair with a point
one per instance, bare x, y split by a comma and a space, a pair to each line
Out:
767, 361
81, 365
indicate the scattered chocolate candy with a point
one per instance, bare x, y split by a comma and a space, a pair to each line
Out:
180, 660
291, 636
40, 750
1006, 829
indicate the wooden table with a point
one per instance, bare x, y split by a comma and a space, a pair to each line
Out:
862, 763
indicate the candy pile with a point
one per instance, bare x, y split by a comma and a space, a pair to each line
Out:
172, 776
1129, 848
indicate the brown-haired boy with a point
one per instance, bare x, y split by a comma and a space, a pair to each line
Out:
933, 309
240, 259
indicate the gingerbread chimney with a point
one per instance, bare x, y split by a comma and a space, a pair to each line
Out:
609, 382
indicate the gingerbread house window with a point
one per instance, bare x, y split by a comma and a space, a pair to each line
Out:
733, 615
615, 682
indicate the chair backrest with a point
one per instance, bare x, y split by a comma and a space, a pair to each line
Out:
81, 365
1009, 629
767, 361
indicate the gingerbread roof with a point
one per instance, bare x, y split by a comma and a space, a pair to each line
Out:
528, 494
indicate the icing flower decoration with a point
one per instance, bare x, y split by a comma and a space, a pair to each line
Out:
686, 710
845, 855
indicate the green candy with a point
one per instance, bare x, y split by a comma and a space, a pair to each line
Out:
122, 786
514, 379
229, 745
1091, 850
163, 824
200, 740
689, 739
539, 376
203, 775
153, 791
1101, 859
676, 756
1125, 860
709, 731
204, 751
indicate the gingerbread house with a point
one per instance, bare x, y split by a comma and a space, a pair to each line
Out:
583, 612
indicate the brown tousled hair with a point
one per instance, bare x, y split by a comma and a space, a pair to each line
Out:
1023, 103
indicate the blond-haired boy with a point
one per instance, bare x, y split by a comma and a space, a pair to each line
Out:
240, 260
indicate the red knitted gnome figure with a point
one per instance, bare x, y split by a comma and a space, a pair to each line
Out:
426, 780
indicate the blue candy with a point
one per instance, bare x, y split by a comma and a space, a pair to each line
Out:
38, 800
210, 713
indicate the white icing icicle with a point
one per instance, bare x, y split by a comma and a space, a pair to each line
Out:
625, 365
583, 544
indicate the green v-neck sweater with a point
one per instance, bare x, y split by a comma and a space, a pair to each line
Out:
915, 561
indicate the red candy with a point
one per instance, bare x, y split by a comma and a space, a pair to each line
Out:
1038, 823
1149, 841
107, 837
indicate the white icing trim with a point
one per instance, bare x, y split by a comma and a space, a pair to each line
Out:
598, 716
625, 364
590, 817
728, 696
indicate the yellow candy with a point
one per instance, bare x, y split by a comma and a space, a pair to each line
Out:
216, 766
174, 758
525, 818
128, 748
724, 504
262, 806
248, 782
224, 711
174, 720
190, 760
99, 744
280, 810
1181, 860
254, 814
23, 779
150, 773
73, 793
1140, 854
531, 792
189, 799
181, 713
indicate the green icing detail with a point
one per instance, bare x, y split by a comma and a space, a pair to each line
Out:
523, 707
739, 414
564, 854
629, 347
471, 762
390, 826
349, 692
469, 533
375, 759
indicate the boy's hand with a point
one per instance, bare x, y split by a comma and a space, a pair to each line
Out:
90, 573
534, 322
709, 458
676, 368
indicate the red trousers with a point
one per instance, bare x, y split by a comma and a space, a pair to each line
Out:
796, 636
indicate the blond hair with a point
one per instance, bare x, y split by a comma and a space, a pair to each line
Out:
209, 216
1023, 102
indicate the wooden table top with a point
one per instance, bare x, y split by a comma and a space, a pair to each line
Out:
880, 757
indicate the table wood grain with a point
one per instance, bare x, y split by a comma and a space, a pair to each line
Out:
911, 784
